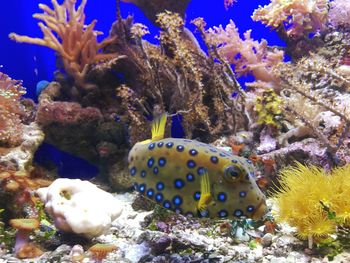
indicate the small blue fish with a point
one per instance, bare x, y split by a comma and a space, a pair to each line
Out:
40, 86
193, 178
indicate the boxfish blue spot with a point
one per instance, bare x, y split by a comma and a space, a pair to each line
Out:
169, 145
160, 144
166, 204
160, 186
180, 148
222, 197
197, 196
150, 162
214, 159
222, 213
150, 192
193, 152
143, 173
249, 161
136, 186
238, 213
179, 183
151, 146
191, 164
133, 171
250, 208
213, 150
222, 154
242, 194
190, 177
234, 161
161, 161
201, 170
155, 170
142, 188
177, 200
159, 197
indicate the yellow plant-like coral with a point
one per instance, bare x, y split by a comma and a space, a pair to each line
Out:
312, 200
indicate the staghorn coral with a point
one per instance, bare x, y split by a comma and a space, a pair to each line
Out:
248, 55
65, 32
339, 13
313, 201
294, 18
11, 110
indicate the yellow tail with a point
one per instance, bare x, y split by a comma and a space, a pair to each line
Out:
158, 129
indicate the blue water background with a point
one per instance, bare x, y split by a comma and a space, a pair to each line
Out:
32, 63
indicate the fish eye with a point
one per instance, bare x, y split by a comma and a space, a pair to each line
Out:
232, 173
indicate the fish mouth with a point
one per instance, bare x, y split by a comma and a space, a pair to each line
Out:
260, 210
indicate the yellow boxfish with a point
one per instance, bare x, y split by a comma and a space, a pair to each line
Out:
194, 178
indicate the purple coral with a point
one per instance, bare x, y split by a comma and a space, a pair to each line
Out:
339, 14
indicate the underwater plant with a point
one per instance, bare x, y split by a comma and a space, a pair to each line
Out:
65, 32
294, 18
312, 200
11, 110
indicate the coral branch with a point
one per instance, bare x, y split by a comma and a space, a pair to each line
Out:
65, 32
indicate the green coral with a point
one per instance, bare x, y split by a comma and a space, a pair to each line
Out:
268, 108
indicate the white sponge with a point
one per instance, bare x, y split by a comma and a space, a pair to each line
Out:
79, 206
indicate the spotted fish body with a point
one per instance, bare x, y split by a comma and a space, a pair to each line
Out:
169, 172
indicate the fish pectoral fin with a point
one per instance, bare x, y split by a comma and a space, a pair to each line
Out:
158, 127
206, 198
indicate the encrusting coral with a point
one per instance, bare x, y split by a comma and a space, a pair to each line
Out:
312, 200
65, 32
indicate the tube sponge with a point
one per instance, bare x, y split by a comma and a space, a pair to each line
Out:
313, 200
79, 206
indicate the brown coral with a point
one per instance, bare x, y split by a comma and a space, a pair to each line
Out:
11, 126
75, 42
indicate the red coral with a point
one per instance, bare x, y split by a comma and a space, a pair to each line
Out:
11, 126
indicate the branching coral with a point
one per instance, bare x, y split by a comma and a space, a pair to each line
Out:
313, 201
295, 17
248, 55
65, 31
11, 109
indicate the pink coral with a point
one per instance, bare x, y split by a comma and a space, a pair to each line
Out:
11, 110
339, 14
248, 55
296, 17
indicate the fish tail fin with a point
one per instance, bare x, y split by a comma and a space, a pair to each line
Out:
158, 127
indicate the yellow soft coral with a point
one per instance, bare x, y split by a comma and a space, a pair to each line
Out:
312, 200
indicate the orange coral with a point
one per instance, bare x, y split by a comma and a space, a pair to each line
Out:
76, 42
11, 109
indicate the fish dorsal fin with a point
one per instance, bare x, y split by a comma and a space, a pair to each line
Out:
158, 127
206, 197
